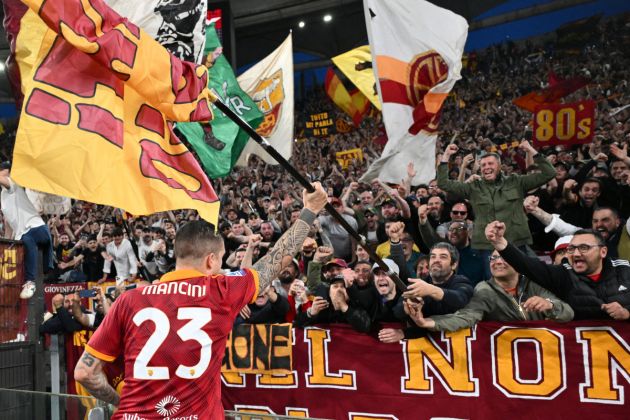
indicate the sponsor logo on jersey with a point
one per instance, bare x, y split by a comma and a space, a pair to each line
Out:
167, 406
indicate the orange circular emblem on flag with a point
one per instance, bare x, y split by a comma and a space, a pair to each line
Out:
423, 72
269, 96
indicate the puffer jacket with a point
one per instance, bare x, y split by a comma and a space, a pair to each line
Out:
583, 294
490, 302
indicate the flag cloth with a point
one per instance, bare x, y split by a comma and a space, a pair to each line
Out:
338, 93
96, 118
13, 10
361, 102
356, 64
179, 26
220, 143
417, 50
270, 84
556, 91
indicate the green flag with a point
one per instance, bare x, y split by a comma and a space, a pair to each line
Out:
220, 143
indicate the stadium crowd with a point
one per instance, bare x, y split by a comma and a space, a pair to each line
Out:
519, 233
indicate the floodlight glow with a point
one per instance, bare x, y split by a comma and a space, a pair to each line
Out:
327, 18
301, 24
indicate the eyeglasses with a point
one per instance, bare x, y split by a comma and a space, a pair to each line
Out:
496, 258
459, 213
583, 248
456, 229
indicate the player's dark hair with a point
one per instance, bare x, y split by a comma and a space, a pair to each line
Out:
197, 239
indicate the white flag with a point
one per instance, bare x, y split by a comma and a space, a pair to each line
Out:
417, 52
180, 26
270, 84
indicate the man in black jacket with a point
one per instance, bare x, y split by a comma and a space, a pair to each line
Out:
595, 286
334, 307
61, 321
444, 292
270, 307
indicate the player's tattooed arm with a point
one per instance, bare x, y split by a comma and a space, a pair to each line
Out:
89, 373
290, 243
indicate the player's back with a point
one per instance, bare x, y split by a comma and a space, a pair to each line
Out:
172, 336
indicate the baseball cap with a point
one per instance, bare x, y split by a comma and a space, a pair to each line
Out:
5, 165
338, 262
370, 210
335, 279
562, 243
389, 263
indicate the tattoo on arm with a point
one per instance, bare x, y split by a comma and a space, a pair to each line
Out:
89, 373
88, 359
269, 266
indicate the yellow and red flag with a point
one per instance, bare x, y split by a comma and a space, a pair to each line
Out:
341, 97
98, 109
557, 90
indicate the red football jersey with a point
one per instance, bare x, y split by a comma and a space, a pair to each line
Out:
172, 336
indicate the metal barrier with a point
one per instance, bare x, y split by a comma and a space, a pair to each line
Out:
16, 405
21, 348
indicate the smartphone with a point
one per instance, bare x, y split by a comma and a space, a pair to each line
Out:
131, 286
89, 293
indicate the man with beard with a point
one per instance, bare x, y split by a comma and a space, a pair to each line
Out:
507, 296
91, 320
444, 292
605, 220
269, 237
580, 207
471, 263
286, 276
323, 266
435, 207
372, 227
61, 320
592, 283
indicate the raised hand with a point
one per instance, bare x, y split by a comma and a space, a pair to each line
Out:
495, 232
316, 200
530, 204
423, 213
451, 149
323, 254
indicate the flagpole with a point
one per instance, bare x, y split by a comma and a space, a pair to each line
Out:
307, 185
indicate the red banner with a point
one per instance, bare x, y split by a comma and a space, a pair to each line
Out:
12, 308
564, 124
535, 370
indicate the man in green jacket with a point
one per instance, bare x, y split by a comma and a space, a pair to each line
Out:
496, 196
507, 296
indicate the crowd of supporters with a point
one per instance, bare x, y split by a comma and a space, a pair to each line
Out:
502, 233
